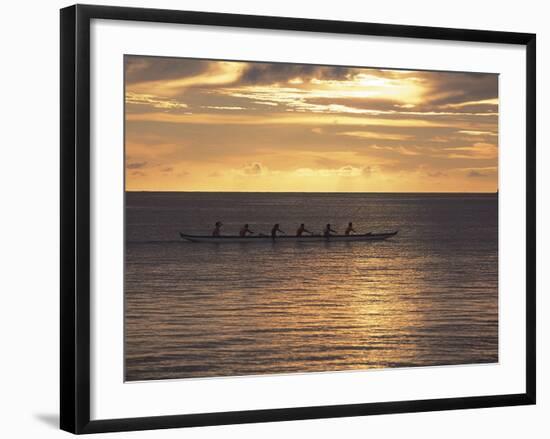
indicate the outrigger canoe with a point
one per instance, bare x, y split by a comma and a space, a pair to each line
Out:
288, 238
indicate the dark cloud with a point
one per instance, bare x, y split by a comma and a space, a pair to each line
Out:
167, 169
136, 165
476, 174
454, 88
259, 73
253, 169
477, 108
153, 68
141, 69
436, 174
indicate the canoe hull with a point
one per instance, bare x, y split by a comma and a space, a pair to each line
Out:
286, 238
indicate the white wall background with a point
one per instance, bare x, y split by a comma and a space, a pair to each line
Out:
29, 169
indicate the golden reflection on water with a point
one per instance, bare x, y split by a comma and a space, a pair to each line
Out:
349, 308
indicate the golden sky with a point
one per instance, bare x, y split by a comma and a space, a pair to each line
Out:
201, 125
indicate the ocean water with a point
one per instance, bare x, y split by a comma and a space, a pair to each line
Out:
428, 296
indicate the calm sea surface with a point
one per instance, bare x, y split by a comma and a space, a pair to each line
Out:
425, 297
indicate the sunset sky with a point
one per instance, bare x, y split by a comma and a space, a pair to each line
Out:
199, 125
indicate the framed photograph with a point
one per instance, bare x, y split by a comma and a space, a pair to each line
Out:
268, 219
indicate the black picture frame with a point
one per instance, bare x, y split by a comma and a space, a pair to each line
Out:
75, 218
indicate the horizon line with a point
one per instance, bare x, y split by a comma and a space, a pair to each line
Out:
312, 192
